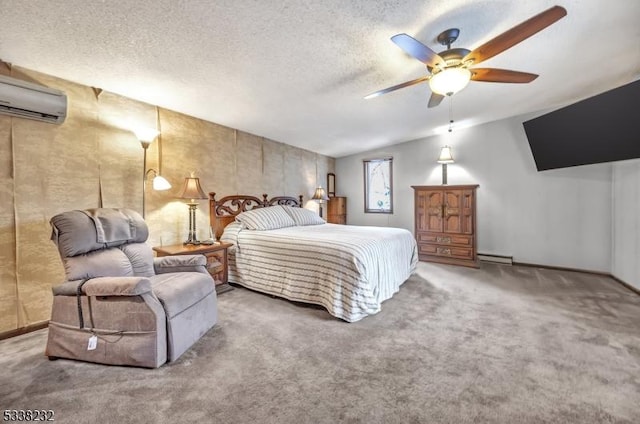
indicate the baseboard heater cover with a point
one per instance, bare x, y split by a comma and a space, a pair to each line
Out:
496, 259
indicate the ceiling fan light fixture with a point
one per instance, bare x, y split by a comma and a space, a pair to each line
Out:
450, 81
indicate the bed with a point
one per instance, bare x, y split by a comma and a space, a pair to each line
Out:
282, 249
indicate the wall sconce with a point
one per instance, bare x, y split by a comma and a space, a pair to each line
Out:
192, 191
159, 183
445, 158
146, 137
321, 197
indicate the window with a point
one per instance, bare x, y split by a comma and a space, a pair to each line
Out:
378, 186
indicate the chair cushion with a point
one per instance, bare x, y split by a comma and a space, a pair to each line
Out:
112, 225
99, 263
177, 291
117, 286
105, 286
74, 233
141, 257
78, 232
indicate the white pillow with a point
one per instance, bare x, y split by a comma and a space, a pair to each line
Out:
270, 218
303, 216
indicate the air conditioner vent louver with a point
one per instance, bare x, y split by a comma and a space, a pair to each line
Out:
26, 100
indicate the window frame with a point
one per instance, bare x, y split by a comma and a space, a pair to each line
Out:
367, 173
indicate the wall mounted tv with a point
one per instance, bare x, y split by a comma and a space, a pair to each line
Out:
603, 128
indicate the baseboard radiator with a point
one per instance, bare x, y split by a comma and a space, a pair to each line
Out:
496, 259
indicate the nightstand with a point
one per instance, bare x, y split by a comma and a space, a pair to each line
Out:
216, 255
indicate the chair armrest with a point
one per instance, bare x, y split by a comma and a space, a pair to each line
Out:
180, 263
106, 286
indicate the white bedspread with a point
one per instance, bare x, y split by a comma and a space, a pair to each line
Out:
349, 270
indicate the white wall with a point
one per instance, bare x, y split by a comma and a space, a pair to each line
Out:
625, 260
559, 217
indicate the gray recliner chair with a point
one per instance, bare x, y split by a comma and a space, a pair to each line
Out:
120, 305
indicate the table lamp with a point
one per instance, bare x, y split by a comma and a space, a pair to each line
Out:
445, 158
321, 196
192, 191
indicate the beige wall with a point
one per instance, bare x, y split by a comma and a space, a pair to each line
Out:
94, 157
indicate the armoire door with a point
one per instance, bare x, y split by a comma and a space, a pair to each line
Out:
457, 211
429, 210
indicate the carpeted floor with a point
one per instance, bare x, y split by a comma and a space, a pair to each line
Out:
500, 344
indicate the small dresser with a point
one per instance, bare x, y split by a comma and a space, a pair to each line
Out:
337, 210
445, 224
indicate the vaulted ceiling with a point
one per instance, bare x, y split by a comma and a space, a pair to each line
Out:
296, 71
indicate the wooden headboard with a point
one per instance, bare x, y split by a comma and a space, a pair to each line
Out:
222, 212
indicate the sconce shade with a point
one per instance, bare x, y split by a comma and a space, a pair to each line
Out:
320, 194
192, 189
445, 155
450, 81
146, 135
160, 183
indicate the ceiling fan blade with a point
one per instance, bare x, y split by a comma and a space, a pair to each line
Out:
418, 50
501, 75
435, 99
516, 34
397, 87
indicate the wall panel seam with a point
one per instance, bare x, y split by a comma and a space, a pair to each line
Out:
15, 222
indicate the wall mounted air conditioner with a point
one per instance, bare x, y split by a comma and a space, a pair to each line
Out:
26, 100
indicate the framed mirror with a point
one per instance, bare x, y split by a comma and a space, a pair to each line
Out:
331, 184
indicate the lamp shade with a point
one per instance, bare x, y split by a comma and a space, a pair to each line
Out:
450, 81
192, 189
160, 183
320, 194
445, 155
146, 135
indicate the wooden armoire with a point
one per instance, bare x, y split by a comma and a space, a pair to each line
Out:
445, 224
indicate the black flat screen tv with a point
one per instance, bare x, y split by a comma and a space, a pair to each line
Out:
603, 128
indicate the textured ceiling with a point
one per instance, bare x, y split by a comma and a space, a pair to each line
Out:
296, 71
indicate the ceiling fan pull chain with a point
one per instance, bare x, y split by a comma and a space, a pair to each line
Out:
450, 113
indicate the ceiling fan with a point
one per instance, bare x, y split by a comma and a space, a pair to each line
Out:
450, 70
